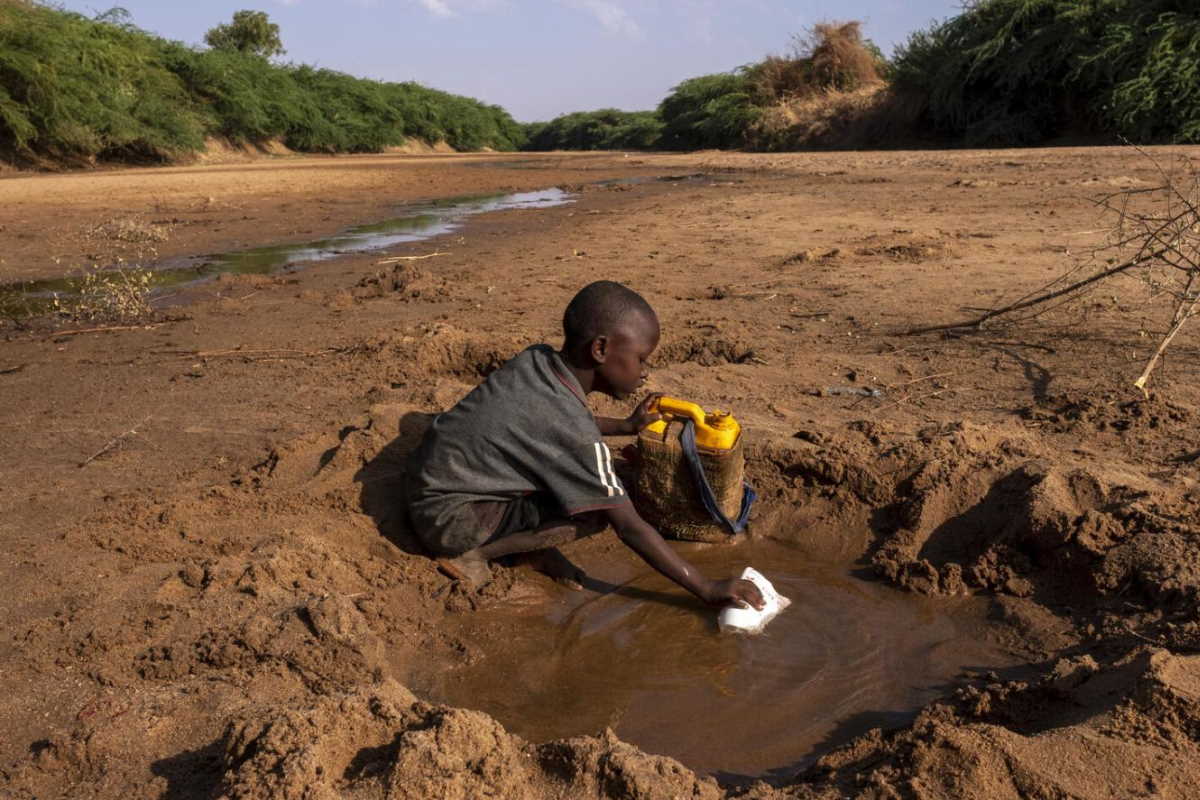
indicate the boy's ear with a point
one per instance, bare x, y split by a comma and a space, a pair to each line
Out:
598, 349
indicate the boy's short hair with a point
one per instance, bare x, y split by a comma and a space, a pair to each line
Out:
599, 308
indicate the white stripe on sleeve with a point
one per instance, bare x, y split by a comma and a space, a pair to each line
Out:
616, 484
600, 467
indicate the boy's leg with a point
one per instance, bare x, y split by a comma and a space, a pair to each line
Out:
541, 542
553, 564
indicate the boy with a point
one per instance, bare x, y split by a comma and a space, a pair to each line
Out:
518, 466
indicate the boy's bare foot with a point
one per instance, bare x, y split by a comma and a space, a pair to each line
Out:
469, 568
553, 564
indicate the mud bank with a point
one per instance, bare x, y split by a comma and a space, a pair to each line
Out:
226, 602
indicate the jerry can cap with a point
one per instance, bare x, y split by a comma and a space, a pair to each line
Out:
722, 421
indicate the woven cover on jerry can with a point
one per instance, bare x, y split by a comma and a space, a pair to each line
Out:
666, 493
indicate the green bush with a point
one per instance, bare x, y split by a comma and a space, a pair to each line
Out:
607, 129
708, 111
240, 96
1150, 57
1022, 71
723, 110
73, 88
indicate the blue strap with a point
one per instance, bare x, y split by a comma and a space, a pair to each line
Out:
688, 440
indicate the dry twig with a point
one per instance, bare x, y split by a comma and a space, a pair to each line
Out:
105, 329
249, 355
394, 259
910, 399
1043, 297
113, 442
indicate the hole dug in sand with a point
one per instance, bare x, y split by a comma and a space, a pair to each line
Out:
293, 604
634, 654
956, 515
972, 521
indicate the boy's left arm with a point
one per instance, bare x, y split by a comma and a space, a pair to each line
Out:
640, 418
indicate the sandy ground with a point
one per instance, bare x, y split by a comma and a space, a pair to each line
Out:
223, 599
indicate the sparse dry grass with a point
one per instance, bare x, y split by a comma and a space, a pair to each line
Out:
131, 230
120, 294
831, 56
861, 117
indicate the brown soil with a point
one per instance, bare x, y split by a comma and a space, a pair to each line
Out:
223, 601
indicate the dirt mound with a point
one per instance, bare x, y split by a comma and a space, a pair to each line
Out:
811, 257
817, 490
440, 350
607, 767
380, 742
978, 510
1108, 412
912, 249
405, 281
1160, 564
375, 742
1110, 729
707, 351
963, 508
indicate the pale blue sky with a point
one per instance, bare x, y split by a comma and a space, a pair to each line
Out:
537, 58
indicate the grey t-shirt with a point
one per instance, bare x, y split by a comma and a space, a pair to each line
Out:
525, 429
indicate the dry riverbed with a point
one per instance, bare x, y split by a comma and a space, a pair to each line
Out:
210, 589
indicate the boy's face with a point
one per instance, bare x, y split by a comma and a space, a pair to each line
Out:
622, 356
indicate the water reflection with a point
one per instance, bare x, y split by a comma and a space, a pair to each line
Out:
417, 224
847, 655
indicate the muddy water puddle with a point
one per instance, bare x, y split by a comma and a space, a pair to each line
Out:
417, 223
638, 655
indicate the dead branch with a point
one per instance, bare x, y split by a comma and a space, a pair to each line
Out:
921, 380
394, 259
1030, 345
910, 399
113, 442
751, 295
977, 322
1185, 310
250, 355
11, 370
105, 329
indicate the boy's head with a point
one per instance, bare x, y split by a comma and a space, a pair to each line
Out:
612, 330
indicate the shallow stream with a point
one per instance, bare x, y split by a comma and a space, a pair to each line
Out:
417, 223
637, 654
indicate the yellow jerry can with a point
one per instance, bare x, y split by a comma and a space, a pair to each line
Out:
666, 492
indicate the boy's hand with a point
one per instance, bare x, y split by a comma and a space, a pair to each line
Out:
734, 591
644, 414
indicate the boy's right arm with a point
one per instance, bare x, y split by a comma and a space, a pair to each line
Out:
644, 540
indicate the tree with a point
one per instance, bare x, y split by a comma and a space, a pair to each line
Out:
116, 16
250, 32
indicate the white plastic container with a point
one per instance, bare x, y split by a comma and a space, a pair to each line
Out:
744, 619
